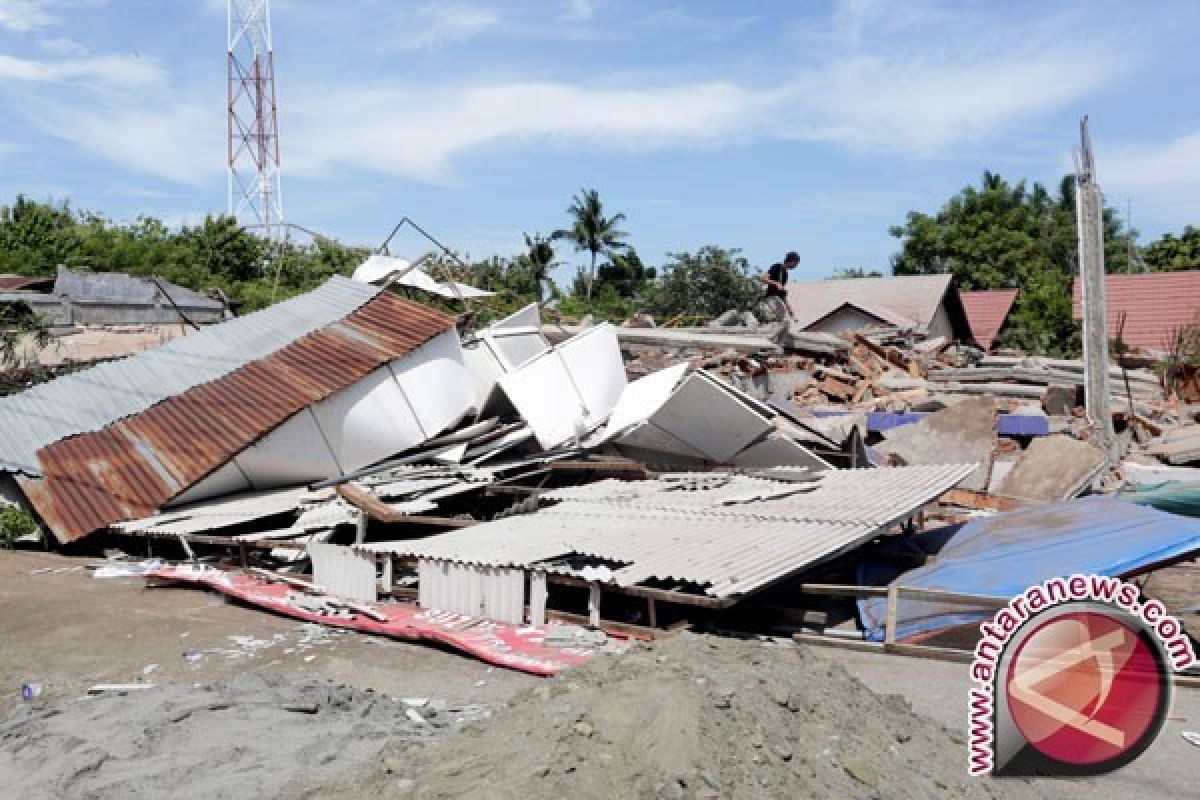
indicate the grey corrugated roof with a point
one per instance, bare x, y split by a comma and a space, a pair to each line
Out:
95, 398
716, 536
121, 289
870, 496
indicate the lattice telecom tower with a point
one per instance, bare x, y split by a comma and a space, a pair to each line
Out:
255, 196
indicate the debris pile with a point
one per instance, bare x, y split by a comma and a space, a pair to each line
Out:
350, 457
692, 717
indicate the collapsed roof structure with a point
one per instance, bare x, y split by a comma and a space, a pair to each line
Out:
221, 411
111, 298
927, 304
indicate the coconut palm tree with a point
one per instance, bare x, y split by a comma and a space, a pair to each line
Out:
539, 259
592, 231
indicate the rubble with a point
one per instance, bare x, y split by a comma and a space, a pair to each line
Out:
375, 467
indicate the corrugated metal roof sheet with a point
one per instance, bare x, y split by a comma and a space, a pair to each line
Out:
131, 468
868, 496
238, 509
121, 289
1005, 554
986, 312
93, 398
715, 535
1156, 305
10, 282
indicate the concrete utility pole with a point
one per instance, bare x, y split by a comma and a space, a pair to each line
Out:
1090, 228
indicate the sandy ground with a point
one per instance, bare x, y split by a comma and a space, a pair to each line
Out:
274, 708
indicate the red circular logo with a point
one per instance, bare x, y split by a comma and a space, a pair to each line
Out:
1085, 688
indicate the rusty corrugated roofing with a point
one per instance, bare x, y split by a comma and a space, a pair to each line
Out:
94, 398
10, 282
986, 312
132, 467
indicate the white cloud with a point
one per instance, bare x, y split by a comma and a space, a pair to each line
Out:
108, 70
1160, 179
420, 132
878, 96
441, 24
63, 46
579, 10
923, 106
22, 16
182, 143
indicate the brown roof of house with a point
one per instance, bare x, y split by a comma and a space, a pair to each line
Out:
1156, 305
910, 297
986, 312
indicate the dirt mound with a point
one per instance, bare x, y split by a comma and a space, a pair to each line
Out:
690, 717
246, 738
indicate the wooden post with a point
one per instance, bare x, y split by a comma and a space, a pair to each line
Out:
594, 605
889, 625
385, 572
537, 597
360, 528
242, 555
652, 612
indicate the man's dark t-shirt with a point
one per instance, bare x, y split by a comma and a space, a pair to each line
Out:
776, 272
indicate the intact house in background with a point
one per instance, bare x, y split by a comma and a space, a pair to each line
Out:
928, 305
1156, 307
99, 315
987, 313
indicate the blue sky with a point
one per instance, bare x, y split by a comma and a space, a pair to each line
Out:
766, 126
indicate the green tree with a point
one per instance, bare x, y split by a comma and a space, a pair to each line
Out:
854, 272
533, 266
1174, 252
704, 284
1002, 235
592, 231
625, 273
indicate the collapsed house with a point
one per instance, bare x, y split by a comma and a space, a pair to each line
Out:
92, 316
352, 457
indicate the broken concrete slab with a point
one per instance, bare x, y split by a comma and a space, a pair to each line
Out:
962, 433
1178, 447
1053, 468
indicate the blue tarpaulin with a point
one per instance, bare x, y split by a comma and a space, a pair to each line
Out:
1006, 424
1005, 554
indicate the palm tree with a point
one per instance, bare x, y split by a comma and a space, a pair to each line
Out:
539, 257
592, 231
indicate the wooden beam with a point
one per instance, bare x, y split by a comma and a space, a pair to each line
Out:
229, 541
376, 509
663, 595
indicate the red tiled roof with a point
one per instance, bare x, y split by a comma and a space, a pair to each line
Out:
986, 312
133, 466
1156, 305
17, 282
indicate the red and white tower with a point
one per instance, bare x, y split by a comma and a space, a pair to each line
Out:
255, 195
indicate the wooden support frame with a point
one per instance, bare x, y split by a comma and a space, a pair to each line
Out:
376, 509
661, 595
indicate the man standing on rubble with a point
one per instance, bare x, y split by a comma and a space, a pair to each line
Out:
776, 282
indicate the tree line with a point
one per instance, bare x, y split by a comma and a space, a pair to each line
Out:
994, 235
